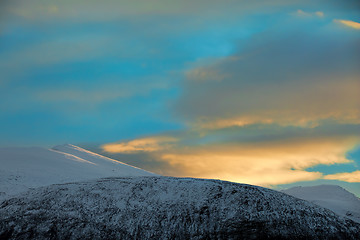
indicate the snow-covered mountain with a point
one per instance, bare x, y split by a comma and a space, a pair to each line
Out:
25, 168
167, 208
95, 197
333, 197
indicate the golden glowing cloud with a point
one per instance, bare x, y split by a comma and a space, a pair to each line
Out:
348, 23
236, 168
346, 177
262, 163
150, 144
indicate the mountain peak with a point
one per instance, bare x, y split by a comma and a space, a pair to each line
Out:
24, 168
333, 197
321, 191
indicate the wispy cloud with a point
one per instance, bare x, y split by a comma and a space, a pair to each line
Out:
285, 118
53, 51
205, 75
302, 13
150, 144
116, 9
348, 23
346, 177
102, 93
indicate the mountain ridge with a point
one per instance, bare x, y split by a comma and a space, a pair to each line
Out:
167, 208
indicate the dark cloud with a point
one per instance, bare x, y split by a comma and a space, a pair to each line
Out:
295, 72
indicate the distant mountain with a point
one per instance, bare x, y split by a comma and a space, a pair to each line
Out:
25, 168
167, 208
333, 197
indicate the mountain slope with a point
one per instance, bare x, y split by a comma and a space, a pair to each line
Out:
167, 208
25, 168
102, 162
333, 197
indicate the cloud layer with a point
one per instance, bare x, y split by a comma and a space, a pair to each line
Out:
353, 177
262, 92
265, 162
298, 78
285, 101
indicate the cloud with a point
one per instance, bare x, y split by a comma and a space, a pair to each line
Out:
255, 156
81, 96
282, 76
319, 14
103, 92
346, 177
48, 51
204, 75
284, 118
237, 168
90, 10
267, 163
302, 13
348, 23
150, 144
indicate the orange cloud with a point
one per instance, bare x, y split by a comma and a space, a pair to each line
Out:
346, 177
237, 168
150, 144
348, 23
261, 163
266, 162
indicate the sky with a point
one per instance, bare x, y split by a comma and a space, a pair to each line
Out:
259, 92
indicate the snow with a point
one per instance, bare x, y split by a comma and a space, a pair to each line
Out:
77, 194
26, 168
166, 208
333, 197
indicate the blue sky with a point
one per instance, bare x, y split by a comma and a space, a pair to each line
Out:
262, 92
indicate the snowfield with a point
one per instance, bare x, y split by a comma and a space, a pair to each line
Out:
26, 168
333, 197
167, 208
